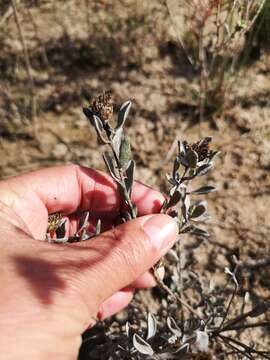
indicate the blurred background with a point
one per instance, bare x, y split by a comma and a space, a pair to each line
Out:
184, 84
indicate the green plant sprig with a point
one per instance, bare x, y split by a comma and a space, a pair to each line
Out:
119, 163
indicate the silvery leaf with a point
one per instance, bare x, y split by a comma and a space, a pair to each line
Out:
127, 328
174, 327
98, 123
202, 170
197, 210
203, 190
174, 199
151, 326
123, 114
125, 152
130, 175
110, 165
142, 346
182, 159
116, 141
185, 207
172, 256
192, 158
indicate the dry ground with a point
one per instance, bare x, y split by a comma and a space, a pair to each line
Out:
78, 49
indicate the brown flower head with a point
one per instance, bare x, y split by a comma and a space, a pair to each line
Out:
201, 147
102, 106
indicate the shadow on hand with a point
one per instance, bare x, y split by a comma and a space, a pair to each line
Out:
48, 272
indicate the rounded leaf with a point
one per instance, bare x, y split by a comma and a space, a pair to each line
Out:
142, 346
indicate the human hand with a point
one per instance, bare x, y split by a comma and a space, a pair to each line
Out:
51, 293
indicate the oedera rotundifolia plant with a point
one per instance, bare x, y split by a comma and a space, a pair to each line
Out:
191, 161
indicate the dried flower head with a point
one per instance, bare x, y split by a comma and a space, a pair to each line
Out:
102, 106
201, 147
54, 221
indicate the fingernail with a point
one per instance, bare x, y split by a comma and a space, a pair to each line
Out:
162, 230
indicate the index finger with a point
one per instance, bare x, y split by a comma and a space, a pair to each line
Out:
74, 188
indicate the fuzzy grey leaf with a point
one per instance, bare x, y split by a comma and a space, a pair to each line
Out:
172, 256
110, 165
142, 346
174, 199
192, 158
130, 175
174, 327
203, 190
185, 206
125, 152
182, 159
197, 210
202, 170
127, 328
123, 114
116, 141
98, 123
151, 326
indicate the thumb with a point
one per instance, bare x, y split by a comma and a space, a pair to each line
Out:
118, 257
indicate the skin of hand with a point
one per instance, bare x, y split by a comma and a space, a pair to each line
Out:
51, 293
